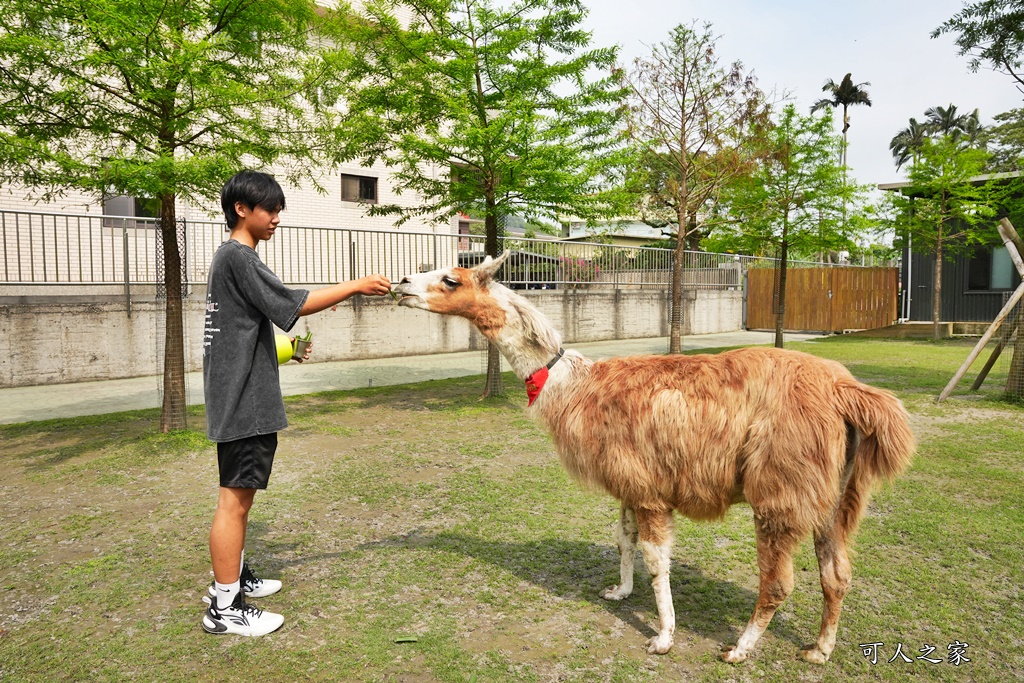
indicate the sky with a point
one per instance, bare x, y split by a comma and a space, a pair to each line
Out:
797, 45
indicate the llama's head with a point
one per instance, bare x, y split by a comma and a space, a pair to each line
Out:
523, 334
465, 292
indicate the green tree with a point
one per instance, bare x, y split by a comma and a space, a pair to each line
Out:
992, 33
945, 207
161, 99
483, 108
1005, 141
794, 199
692, 123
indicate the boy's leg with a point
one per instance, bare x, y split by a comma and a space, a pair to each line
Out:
244, 468
227, 534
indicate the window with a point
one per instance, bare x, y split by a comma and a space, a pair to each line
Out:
358, 188
990, 270
126, 205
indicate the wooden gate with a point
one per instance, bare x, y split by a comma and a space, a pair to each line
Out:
824, 299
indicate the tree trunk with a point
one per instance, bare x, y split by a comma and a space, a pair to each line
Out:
492, 384
676, 318
172, 414
937, 295
937, 290
780, 314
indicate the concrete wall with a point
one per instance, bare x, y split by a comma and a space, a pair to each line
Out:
51, 343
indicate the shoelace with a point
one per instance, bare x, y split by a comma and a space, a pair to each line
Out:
248, 579
250, 609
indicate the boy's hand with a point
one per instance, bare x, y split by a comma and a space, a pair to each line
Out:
305, 356
374, 285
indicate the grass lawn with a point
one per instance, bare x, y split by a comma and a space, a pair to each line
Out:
418, 513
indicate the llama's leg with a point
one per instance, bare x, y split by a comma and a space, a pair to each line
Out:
775, 545
625, 538
655, 533
836, 574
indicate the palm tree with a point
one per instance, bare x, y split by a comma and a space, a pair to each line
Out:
844, 95
960, 127
906, 144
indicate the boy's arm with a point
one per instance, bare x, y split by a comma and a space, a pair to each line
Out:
319, 299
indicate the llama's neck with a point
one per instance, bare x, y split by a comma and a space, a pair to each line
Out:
527, 340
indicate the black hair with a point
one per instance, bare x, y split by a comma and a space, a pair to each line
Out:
252, 189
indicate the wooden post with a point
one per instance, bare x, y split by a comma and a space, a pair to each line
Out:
1014, 245
1006, 229
1008, 234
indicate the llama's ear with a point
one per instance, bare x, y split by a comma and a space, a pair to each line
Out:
489, 268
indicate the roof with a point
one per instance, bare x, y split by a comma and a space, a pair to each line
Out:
907, 188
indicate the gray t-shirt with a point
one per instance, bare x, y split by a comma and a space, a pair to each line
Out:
240, 375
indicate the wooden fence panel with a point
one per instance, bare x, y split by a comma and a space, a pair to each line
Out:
760, 289
808, 306
824, 299
864, 298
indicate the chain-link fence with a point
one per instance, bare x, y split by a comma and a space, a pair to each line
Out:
1004, 356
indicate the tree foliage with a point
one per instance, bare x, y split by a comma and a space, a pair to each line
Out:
692, 125
1005, 141
907, 143
157, 98
947, 209
964, 130
482, 108
793, 201
992, 33
844, 94
161, 99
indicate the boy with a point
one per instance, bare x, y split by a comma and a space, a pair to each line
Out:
244, 407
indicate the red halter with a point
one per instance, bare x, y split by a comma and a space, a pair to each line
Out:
536, 381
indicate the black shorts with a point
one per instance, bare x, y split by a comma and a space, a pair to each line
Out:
246, 463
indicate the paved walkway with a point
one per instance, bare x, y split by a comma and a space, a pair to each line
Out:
24, 404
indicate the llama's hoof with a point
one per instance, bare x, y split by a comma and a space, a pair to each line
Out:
659, 645
733, 655
813, 654
614, 593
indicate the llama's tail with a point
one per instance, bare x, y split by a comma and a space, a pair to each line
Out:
884, 448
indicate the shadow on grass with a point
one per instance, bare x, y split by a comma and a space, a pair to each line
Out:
432, 395
578, 570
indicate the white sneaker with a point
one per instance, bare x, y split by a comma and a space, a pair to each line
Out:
240, 618
255, 587
252, 586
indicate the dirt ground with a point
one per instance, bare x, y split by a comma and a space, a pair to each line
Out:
417, 512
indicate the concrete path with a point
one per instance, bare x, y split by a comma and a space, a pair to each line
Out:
24, 404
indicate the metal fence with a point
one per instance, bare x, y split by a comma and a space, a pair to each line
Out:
39, 248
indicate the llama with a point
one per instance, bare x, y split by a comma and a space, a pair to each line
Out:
794, 436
